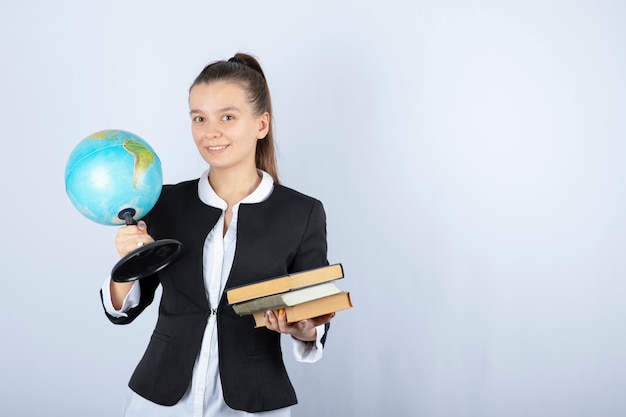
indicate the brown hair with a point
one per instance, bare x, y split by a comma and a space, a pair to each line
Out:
246, 71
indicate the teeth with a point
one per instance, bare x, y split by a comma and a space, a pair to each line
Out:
216, 148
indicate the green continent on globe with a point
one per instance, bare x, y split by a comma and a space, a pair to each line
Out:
144, 157
109, 134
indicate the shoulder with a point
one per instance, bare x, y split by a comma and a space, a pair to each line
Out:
286, 195
286, 205
174, 196
174, 192
183, 186
178, 205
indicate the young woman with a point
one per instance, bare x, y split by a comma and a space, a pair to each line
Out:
238, 225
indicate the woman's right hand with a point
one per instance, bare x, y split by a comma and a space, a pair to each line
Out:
129, 238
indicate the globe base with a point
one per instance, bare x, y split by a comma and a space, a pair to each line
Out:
146, 260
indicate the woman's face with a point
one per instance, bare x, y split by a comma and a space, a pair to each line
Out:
224, 126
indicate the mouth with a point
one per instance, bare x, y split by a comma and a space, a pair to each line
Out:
216, 148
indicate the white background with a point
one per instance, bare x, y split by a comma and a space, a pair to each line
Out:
470, 156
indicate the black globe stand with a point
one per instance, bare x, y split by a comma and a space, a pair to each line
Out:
145, 260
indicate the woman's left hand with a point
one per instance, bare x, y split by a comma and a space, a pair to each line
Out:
302, 330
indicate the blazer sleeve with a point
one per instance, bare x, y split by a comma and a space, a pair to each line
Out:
148, 288
313, 250
148, 285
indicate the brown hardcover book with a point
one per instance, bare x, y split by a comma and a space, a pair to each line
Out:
284, 283
311, 309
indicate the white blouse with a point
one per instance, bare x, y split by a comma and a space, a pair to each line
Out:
204, 396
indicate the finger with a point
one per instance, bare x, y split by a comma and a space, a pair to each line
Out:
129, 231
142, 226
142, 239
271, 321
123, 242
283, 325
129, 238
322, 319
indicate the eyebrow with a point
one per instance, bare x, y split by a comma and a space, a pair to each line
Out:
220, 110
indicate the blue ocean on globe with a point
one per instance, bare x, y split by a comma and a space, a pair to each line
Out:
110, 171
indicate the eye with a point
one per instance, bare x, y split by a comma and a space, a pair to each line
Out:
227, 117
198, 119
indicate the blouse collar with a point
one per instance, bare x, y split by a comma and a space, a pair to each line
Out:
209, 197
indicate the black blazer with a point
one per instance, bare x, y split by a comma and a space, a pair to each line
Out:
283, 234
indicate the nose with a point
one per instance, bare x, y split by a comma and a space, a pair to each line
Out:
212, 134
211, 131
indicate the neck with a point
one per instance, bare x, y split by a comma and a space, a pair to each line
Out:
233, 187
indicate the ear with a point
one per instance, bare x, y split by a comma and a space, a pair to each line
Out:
263, 125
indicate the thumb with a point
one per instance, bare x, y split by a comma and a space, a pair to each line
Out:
142, 225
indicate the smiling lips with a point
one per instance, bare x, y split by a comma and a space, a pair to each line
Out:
216, 148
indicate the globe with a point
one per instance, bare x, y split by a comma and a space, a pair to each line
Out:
111, 171
113, 177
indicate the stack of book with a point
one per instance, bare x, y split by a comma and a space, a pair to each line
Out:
302, 295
